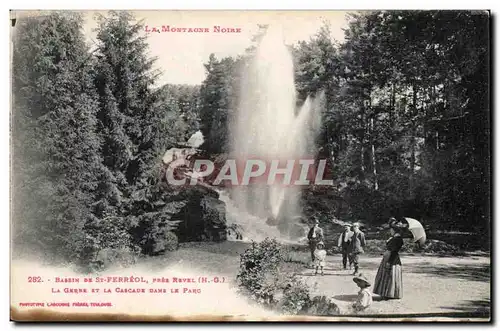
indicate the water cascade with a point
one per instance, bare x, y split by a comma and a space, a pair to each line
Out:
268, 126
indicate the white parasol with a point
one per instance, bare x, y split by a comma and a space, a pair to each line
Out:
417, 230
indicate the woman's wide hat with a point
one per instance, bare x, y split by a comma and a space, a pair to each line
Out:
361, 281
395, 224
320, 244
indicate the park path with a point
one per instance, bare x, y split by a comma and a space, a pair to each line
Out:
431, 284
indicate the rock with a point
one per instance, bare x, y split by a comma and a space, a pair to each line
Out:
173, 207
322, 306
196, 140
235, 231
196, 212
214, 218
204, 216
174, 154
197, 192
177, 213
186, 150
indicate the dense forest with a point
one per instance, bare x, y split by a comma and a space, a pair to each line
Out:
405, 127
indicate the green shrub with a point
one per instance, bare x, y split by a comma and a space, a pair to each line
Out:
296, 297
107, 242
171, 241
163, 242
108, 257
259, 269
261, 277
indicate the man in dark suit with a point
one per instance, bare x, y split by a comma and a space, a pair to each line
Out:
357, 246
315, 235
345, 245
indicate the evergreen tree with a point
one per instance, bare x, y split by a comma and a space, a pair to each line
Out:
136, 128
181, 105
218, 94
57, 167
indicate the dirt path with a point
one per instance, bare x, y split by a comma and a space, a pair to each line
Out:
431, 284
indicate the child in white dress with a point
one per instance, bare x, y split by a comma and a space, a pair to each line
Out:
364, 299
320, 256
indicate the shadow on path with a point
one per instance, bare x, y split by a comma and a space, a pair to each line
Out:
326, 273
476, 306
480, 273
352, 297
374, 317
346, 297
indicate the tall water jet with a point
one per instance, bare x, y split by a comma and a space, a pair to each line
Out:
267, 126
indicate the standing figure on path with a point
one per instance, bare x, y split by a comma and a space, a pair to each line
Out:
357, 246
345, 245
389, 279
320, 257
314, 236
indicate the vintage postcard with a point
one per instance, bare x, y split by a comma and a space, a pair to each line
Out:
250, 166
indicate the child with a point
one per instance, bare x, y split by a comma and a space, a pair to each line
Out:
364, 299
320, 256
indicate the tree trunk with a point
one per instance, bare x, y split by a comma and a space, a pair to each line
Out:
374, 160
392, 106
362, 158
412, 140
332, 148
427, 111
434, 113
362, 139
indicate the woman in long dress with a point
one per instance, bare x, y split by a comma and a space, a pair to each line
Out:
389, 279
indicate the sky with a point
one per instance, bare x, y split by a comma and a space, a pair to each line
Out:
181, 55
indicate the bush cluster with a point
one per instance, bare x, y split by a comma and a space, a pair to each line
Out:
261, 278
